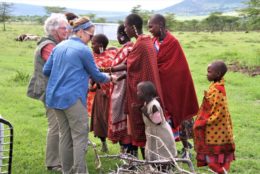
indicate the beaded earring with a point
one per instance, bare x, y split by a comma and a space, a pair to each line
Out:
161, 32
135, 30
122, 38
101, 50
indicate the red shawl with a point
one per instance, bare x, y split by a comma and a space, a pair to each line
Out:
141, 66
179, 95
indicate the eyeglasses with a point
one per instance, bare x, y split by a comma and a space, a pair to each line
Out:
63, 28
90, 35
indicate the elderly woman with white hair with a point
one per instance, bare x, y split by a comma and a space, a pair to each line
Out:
69, 68
56, 31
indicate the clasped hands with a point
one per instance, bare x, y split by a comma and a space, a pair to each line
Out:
106, 69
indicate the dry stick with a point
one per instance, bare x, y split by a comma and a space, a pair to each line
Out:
97, 160
171, 157
132, 159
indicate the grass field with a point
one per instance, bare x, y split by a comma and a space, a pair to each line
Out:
30, 124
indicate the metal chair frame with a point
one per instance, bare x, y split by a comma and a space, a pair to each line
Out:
4, 144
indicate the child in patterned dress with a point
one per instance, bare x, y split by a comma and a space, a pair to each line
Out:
213, 131
155, 125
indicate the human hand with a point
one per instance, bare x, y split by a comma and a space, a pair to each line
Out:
123, 76
105, 69
113, 78
92, 88
144, 111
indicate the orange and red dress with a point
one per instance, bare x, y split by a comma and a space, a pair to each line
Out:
213, 130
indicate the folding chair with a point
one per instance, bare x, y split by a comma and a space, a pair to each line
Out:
6, 146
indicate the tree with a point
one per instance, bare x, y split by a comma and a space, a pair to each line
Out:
231, 22
170, 21
50, 10
100, 20
144, 14
136, 9
191, 25
215, 21
5, 12
252, 13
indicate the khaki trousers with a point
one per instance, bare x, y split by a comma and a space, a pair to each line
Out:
52, 142
73, 125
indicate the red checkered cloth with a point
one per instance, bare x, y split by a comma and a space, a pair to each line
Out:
179, 95
141, 66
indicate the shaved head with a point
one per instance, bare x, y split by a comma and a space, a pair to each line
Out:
158, 19
220, 67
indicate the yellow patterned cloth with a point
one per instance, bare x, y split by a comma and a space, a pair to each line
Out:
213, 132
219, 125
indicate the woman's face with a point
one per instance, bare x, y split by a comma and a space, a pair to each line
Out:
87, 35
129, 29
154, 28
62, 32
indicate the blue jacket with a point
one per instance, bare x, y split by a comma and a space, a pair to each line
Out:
69, 68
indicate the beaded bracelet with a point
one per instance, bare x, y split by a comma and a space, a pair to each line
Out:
102, 69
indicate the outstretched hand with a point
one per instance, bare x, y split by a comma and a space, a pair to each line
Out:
92, 86
105, 69
144, 111
114, 78
123, 76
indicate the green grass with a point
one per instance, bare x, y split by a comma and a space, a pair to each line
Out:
30, 124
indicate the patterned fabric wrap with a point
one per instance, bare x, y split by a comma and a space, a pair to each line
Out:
100, 103
213, 131
141, 66
117, 130
104, 59
100, 111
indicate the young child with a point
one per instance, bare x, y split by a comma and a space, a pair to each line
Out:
213, 131
155, 124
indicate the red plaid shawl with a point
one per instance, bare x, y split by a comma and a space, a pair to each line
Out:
141, 66
177, 85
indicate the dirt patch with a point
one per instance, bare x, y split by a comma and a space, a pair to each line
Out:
237, 67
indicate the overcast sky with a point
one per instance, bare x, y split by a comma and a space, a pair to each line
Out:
102, 5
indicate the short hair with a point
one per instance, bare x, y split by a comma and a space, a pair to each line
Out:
220, 66
121, 31
102, 39
136, 20
53, 22
148, 89
159, 19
